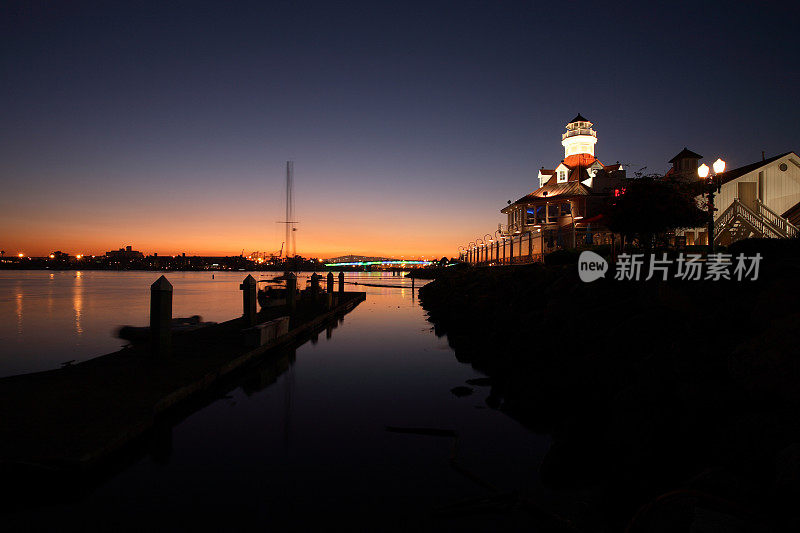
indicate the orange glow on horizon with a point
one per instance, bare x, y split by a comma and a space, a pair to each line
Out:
313, 243
405, 229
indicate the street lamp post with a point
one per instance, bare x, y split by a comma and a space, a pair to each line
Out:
541, 243
471, 246
712, 185
479, 245
462, 253
489, 247
574, 230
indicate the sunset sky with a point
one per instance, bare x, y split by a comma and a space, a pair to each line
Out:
167, 125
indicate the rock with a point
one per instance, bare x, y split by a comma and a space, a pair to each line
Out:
461, 391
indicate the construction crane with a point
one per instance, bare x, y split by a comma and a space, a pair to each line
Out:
279, 254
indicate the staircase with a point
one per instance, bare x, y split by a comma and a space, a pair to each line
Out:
739, 221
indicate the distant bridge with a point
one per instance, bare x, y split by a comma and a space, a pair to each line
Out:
382, 263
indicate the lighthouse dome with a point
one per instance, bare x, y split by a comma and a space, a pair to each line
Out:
579, 138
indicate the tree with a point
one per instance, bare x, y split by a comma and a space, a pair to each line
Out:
650, 205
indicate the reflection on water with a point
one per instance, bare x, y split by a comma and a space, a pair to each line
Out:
77, 302
18, 300
71, 315
304, 434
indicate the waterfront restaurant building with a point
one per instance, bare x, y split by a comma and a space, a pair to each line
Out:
759, 200
564, 209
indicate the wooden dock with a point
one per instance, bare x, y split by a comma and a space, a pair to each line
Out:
77, 417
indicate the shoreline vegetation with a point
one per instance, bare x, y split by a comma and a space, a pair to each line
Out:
671, 404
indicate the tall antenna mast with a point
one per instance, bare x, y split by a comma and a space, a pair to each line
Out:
290, 248
291, 243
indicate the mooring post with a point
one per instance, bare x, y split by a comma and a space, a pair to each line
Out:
291, 290
315, 283
248, 288
161, 317
329, 292
341, 282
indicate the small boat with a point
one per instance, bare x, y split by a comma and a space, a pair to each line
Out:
137, 334
272, 295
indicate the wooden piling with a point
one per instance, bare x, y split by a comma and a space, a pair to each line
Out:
248, 288
341, 281
161, 317
291, 290
329, 280
315, 283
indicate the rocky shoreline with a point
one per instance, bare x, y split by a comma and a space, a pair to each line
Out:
671, 404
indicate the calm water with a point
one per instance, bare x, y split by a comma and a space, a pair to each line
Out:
303, 439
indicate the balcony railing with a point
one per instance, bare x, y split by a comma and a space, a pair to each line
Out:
579, 131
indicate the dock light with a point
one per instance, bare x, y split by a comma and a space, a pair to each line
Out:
78, 256
20, 255
712, 183
52, 256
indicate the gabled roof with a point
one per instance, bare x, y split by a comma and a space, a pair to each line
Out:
730, 175
554, 190
545, 171
579, 118
685, 154
579, 174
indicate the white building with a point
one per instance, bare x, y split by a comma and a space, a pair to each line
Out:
757, 200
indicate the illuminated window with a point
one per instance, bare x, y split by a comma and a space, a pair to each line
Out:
531, 216
541, 214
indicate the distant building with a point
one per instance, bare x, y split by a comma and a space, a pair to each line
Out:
684, 166
125, 254
761, 199
567, 202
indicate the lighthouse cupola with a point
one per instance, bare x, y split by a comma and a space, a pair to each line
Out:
579, 138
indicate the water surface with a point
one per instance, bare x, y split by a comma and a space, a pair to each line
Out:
305, 436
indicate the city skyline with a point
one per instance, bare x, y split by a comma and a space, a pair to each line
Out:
168, 127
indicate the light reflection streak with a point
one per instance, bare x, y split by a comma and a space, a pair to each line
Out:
77, 302
19, 311
50, 300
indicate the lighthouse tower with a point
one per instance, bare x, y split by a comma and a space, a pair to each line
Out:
579, 138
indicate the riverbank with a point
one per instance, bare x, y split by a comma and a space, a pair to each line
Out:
675, 402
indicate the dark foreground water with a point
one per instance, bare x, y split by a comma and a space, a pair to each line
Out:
300, 442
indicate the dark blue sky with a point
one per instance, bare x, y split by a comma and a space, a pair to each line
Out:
167, 124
